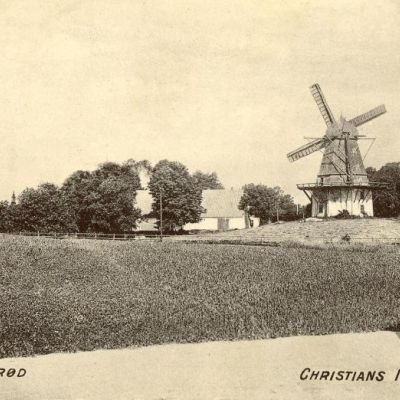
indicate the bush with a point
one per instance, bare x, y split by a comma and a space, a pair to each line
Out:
344, 214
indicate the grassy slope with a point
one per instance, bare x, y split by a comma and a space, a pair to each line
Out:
68, 296
368, 230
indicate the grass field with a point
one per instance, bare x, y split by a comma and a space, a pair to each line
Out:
369, 231
69, 296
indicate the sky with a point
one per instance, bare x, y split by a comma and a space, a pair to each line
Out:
218, 85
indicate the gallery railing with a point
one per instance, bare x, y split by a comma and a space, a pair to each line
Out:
358, 185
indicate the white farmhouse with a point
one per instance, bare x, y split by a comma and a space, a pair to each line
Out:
221, 213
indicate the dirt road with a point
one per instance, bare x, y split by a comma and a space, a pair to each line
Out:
264, 369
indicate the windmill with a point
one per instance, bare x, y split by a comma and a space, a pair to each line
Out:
342, 182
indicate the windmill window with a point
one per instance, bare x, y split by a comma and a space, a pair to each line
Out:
362, 195
320, 208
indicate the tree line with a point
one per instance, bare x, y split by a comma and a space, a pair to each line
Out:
386, 202
103, 200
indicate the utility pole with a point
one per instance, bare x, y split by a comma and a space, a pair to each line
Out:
277, 211
161, 221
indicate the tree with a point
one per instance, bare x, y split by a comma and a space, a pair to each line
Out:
288, 209
114, 209
181, 197
143, 169
103, 200
267, 203
41, 209
5, 223
12, 215
77, 192
207, 181
387, 201
8, 215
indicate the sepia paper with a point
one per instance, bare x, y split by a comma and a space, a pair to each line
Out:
219, 86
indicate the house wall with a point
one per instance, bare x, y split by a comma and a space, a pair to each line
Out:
237, 223
352, 200
256, 222
204, 224
209, 224
148, 225
212, 224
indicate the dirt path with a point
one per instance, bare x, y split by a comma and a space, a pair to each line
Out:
264, 369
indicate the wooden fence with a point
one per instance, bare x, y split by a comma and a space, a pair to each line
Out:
96, 236
219, 238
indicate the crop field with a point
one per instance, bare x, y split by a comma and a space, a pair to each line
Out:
83, 295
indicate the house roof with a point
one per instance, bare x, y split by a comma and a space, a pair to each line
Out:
222, 203
219, 203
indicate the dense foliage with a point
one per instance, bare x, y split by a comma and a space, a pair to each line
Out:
386, 202
268, 204
5, 217
103, 200
43, 209
207, 181
180, 197
69, 296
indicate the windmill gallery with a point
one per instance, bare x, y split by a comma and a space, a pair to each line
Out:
342, 183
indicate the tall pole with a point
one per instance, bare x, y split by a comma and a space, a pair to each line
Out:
277, 211
161, 221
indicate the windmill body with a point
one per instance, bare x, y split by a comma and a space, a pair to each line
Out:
342, 182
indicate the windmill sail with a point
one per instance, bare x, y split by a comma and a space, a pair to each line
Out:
368, 116
307, 149
322, 104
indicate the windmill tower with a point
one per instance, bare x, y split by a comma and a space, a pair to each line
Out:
342, 182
